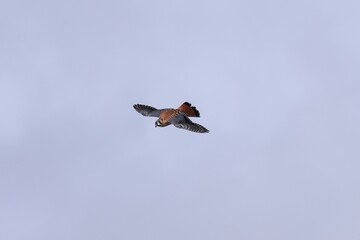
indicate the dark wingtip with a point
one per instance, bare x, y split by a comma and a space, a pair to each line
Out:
204, 130
137, 107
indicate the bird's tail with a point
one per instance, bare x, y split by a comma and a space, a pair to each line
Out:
189, 110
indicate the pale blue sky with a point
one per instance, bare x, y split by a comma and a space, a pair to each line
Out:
276, 83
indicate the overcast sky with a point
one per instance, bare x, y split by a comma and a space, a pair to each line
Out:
277, 83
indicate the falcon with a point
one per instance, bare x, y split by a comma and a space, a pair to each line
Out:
179, 117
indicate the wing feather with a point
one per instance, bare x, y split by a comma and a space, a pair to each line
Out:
182, 121
147, 110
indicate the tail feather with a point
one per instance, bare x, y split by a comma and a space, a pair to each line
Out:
189, 110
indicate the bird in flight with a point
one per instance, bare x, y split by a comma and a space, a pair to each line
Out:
178, 117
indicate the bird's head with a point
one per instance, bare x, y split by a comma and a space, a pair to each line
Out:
158, 123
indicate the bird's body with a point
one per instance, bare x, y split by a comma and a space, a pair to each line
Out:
178, 117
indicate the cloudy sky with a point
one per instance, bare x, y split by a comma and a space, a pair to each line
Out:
277, 83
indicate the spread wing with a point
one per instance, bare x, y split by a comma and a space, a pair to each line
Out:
182, 121
147, 110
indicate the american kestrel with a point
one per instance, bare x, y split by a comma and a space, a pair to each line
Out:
178, 117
